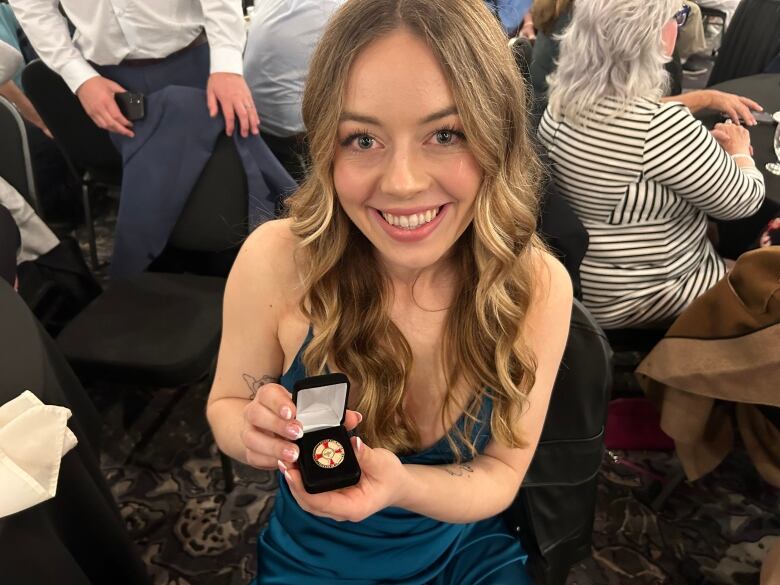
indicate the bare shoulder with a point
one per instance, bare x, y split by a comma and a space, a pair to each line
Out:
266, 260
549, 312
270, 243
552, 283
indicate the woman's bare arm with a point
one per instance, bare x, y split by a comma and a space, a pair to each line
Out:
250, 356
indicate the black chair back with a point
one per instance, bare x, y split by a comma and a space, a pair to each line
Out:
214, 218
751, 41
714, 18
774, 65
15, 161
554, 509
85, 146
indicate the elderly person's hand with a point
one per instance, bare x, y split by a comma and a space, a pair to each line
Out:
736, 107
230, 92
734, 139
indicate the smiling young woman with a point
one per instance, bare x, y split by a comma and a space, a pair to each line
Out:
404, 176
409, 262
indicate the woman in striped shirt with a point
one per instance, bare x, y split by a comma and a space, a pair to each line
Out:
642, 175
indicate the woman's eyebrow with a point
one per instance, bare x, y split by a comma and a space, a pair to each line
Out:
353, 117
348, 116
448, 111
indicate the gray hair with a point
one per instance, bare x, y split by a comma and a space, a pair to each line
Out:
612, 48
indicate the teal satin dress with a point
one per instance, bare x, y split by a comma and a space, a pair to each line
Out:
393, 546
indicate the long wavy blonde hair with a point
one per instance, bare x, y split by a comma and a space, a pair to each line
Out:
346, 293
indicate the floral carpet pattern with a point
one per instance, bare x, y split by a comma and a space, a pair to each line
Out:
171, 493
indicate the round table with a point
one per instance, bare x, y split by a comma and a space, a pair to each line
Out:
765, 89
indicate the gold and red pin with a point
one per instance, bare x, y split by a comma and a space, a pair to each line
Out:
328, 453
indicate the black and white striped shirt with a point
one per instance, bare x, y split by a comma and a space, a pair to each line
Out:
643, 182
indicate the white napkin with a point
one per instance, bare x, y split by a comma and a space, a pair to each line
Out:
33, 439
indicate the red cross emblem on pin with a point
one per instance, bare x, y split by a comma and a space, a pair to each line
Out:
328, 453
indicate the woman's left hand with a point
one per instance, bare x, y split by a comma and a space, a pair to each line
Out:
736, 107
382, 477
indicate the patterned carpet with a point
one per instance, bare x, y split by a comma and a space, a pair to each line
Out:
171, 493
170, 489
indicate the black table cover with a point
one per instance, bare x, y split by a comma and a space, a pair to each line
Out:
77, 537
765, 89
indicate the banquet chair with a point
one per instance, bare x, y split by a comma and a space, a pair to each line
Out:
750, 43
291, 151
87, 149
559, 226
714, 19
15, 160
78, 537
629, 347
554, 510
163, 329
774, 65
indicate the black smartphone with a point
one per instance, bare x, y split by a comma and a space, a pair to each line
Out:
761, 118
132, 105
764, 118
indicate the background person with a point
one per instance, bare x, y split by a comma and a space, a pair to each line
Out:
513, 15
553, 16
410, 263
55, 186
642, 175
281, 40
170, 37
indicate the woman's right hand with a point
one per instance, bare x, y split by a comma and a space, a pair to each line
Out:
733, 138
270, 427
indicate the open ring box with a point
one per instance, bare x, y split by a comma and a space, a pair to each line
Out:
327, 460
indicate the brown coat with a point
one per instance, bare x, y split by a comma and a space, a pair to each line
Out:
723, 349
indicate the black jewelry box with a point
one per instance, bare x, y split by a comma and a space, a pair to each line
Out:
327, 460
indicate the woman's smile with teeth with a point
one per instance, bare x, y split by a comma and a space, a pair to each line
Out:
410, 222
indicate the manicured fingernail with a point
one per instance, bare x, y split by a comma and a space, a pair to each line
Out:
283, 469
360, 418
358, 444
286, 413
294, 431
290, 454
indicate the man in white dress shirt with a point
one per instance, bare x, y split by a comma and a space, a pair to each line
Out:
125, 35
282, 38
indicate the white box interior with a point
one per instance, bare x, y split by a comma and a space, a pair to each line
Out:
321, 407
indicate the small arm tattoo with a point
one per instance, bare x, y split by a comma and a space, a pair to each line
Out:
458, 470
255, 383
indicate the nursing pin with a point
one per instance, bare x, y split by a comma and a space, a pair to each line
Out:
328, 453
